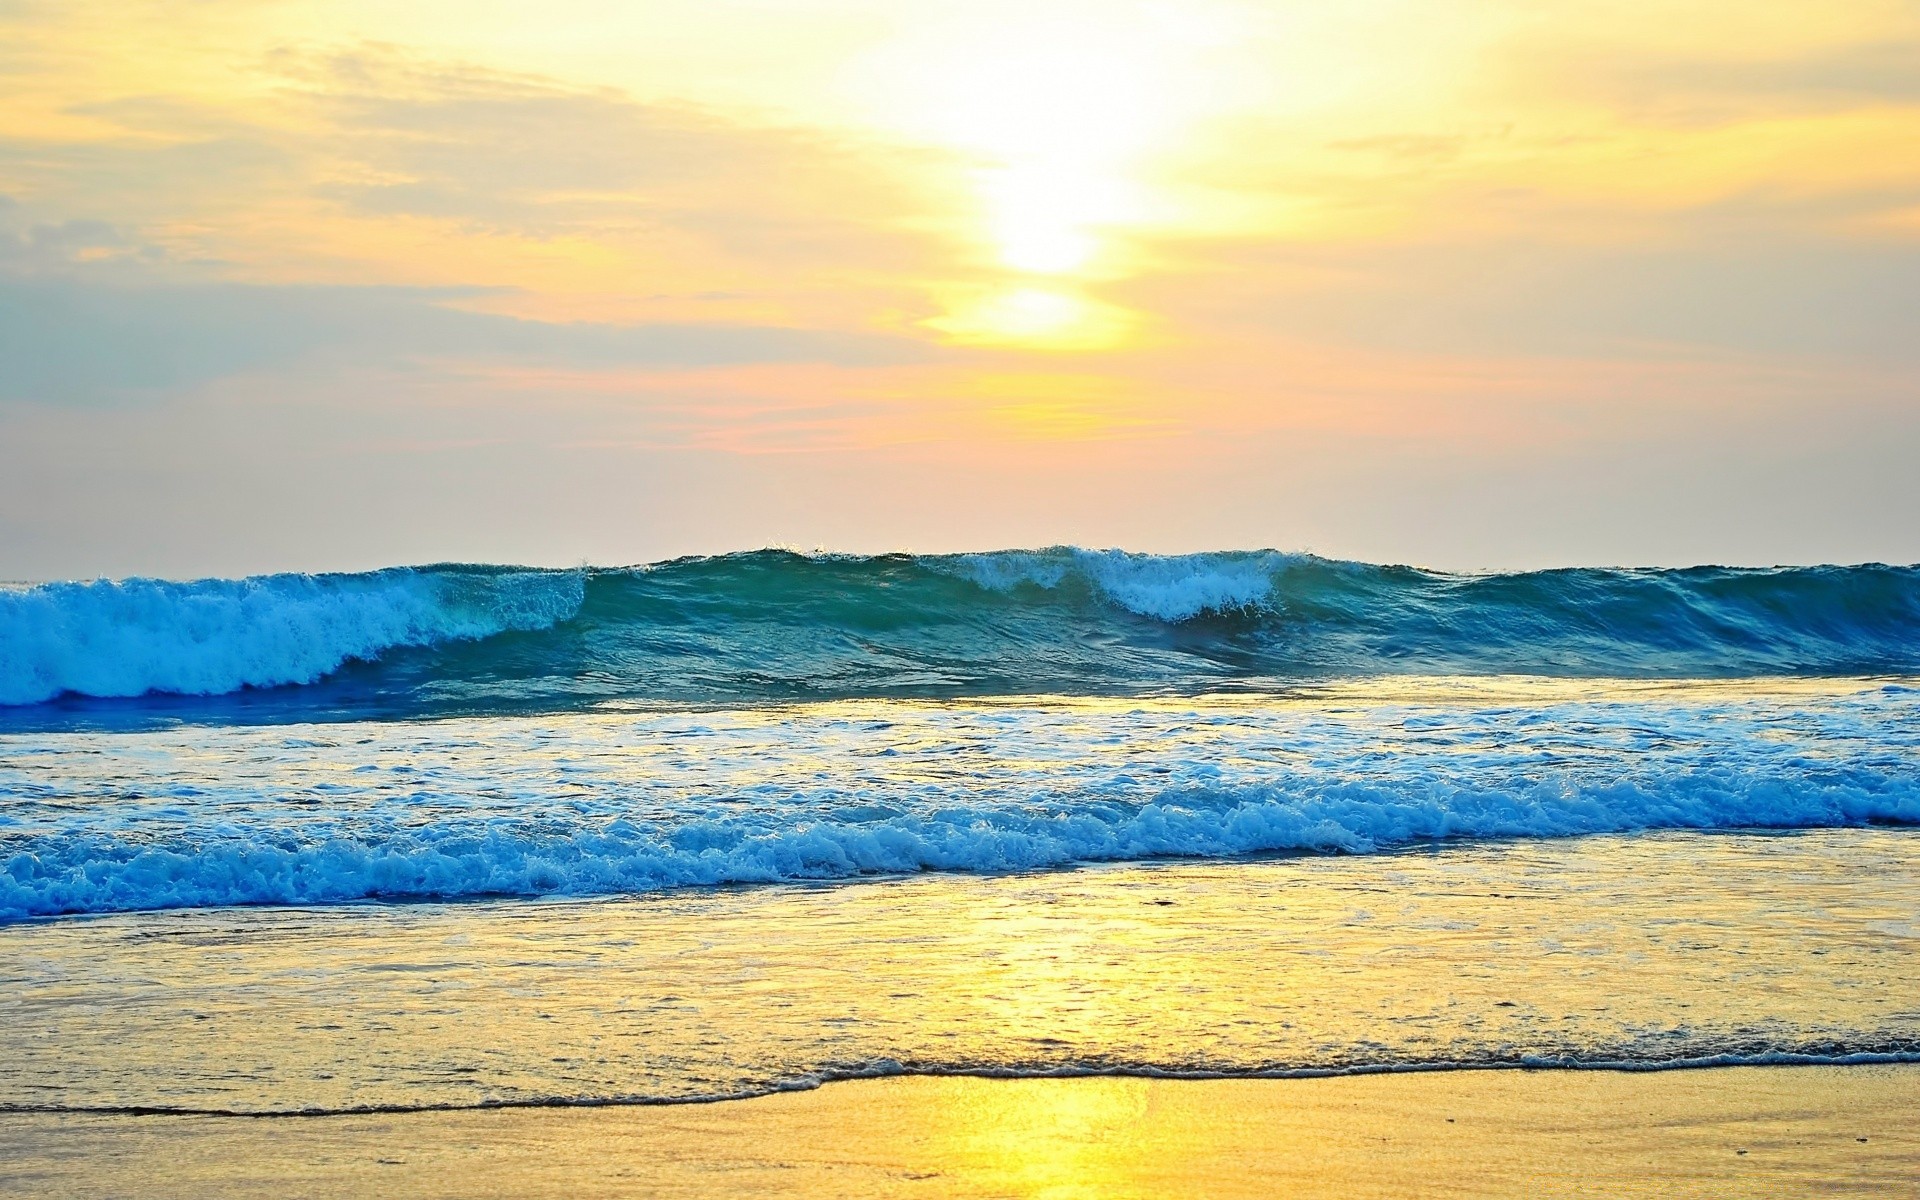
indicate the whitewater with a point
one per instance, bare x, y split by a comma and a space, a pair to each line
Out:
608, 803
775, 625
527, 776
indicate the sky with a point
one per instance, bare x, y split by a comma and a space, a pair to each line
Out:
289, 285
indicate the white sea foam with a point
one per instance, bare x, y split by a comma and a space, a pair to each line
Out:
598, 804
1165, 587
330, 862
214, 636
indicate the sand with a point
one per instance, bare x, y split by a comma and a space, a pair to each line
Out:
1715, 1132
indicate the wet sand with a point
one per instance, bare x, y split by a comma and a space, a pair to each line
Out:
1761, 1131
1642, 947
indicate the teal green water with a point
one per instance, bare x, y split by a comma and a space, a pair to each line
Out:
774, 626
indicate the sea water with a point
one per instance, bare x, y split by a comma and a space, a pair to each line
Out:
477, 835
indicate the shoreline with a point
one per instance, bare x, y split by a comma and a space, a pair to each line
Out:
1733, 1130
1783, 1060
1600, 953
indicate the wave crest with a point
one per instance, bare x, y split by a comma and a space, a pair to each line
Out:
775, 626
207, 638
1165, 587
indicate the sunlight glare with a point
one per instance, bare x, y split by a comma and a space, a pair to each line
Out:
1039, 318
1060, 111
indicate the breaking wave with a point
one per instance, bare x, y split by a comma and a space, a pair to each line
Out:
109, 639
774, 625
324, 863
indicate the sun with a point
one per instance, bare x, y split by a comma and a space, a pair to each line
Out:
1058, 115
1059, 118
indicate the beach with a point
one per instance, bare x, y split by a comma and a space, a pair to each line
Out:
1021, 598
490, 917
1442, 1020
1737, 1131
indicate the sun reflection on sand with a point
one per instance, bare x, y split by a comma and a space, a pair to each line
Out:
1062, 1142
1490, 1133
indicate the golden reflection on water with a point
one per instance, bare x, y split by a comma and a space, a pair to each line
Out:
1643, 946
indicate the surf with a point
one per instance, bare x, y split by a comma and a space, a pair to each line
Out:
619, 803
777, 626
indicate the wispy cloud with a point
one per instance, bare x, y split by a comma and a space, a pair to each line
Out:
374, 136
529, 155
1733, 85
65, 341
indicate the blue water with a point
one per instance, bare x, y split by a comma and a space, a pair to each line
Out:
777, 626
457, 732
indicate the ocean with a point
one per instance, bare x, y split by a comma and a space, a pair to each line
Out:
461, 835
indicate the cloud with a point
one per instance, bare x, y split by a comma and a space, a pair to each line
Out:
349, 142
138, 177
1765, 292
69, 341
1723, 85
530, 156
47, 245
58, 248
1886, 71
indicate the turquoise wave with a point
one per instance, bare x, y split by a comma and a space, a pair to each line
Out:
775, 625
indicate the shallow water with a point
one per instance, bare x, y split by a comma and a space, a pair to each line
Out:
1643, 949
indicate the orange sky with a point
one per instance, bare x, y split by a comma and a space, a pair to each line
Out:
297, 285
